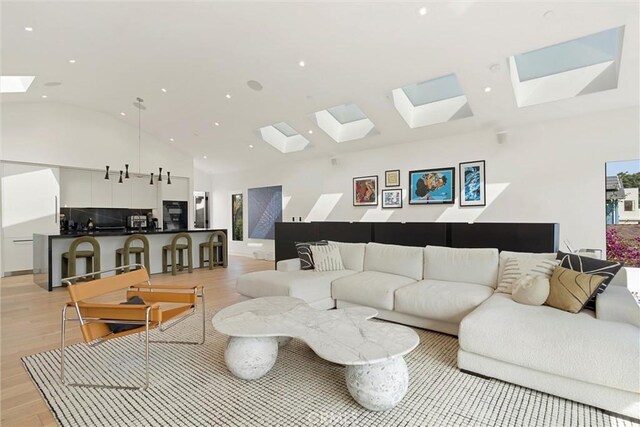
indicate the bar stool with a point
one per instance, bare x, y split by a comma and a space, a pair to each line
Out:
177, 251
125, 252
217, 241
92, 258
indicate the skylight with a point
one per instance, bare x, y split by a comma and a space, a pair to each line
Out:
344, 123
283, 138
576, 67
15, 84
433, 101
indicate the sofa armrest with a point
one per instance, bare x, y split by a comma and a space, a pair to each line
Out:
285, 265
616, 304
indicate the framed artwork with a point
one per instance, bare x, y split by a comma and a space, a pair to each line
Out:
236, 217
265, 209
392, 178
472, 184
392, 199
365, 191
432, 186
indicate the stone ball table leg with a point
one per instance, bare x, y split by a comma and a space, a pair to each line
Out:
251, 358
379, 386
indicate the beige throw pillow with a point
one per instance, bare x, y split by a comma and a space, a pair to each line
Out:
326, 258
517, 267
531, 290
570, 290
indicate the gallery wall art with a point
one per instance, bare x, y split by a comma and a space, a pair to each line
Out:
432, 186
392, 178
265, 209
472, 184
236, 217
365, 191
392, 199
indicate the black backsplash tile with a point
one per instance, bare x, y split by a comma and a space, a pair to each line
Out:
102, 217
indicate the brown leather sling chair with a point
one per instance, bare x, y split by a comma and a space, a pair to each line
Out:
162, 307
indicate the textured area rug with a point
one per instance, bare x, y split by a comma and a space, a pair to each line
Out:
191, 386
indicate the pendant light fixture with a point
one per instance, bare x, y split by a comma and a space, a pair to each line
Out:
140, 107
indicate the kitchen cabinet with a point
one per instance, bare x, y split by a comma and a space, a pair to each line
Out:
178, 190
121, 193
101, 196
143, 195
75, 188
30, 204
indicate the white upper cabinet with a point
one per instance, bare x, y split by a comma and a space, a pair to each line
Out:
101, 196
121, 193
143, 195
75, 188
178, 190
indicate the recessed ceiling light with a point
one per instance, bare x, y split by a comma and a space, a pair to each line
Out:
217, 124
301, 63
122, 114
44, 96
28, 29
164, 90
228, 96
204, 157
72, 61
487, 89
422, 11
171, 139
310, 131
250, 145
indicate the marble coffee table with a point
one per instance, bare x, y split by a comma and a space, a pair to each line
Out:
376, 373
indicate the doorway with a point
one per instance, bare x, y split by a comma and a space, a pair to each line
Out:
201, 204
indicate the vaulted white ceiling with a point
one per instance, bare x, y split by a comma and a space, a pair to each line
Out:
353, 53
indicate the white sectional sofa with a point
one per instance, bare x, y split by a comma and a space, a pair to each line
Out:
583, 357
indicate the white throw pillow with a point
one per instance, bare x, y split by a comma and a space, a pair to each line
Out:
326, 258
531, 290
517, 267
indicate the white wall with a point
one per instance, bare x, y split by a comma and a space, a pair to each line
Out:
65, 135
547, 172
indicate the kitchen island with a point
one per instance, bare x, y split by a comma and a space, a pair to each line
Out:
48, 250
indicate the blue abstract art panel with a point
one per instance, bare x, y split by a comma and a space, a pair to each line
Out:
265, 209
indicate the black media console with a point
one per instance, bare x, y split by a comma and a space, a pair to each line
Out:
505, 236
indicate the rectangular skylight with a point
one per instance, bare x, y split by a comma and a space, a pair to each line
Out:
433, 90
346, 113
285, 129
570, 55
15, 84
565, 70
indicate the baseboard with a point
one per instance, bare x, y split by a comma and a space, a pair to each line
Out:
17, 273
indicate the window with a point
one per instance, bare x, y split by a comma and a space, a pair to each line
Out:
628, 205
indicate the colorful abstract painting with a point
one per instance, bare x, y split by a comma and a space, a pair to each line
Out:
432, 186
265, 209
236, 217
472, 184
365, 191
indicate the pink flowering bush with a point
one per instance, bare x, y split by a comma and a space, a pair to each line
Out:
623, 249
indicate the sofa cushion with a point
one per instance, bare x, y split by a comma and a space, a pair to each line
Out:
584, 264
394, 259
305, 255
326, 258
369, 288
461, 265
515, 268
570, 290
352, 255
440, 300
504, 255
576, 346
531, 290
307, 285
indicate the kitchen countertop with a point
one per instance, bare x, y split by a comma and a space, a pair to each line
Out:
99, 233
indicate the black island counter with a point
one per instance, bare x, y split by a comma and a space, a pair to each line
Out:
48, 250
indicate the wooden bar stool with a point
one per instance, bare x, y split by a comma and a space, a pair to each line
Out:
217, 247
92, 258
125, 252
177, 251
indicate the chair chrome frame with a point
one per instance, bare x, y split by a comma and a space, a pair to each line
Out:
69, 281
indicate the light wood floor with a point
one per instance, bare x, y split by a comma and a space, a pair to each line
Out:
30, 323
